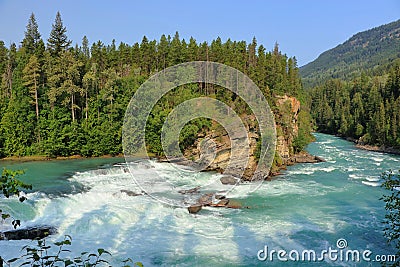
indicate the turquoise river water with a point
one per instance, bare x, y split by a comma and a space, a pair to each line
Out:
309, 207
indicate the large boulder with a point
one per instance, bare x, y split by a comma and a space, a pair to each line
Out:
230, 180
194, 208
28, 233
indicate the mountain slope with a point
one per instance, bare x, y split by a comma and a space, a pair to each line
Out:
368, 51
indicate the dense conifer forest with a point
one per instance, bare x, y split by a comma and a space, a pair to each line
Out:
60, 99
357, 92
366, 108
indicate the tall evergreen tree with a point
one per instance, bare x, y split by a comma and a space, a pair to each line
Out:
32, 36
85, 47
58, 40
31, 80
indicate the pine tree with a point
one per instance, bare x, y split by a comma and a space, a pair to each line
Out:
7, 77
32, 36
162, 51
58, 40
85, 47
31, 74
175, 50
71, 80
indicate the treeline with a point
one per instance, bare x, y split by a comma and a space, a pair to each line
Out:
60, 100
367, 108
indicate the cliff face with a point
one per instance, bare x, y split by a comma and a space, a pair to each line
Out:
220, 139
287, 128
286, 118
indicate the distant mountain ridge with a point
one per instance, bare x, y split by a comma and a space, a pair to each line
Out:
369, 51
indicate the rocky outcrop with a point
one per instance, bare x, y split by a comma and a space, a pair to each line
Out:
286, 111
304, 157
28, 233
286, 118
214, 200
222, 144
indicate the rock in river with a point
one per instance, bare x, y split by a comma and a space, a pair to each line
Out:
28, 233
194, 208
229, 180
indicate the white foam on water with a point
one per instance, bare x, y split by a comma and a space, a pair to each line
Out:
373, 179
353, 169
305, 170
141, 228
328, 169
356, 176
374, 184
130, 220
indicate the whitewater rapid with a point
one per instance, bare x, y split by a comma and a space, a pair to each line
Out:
310, 206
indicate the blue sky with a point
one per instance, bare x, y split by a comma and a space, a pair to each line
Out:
302, 28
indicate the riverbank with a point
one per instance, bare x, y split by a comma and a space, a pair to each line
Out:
381, 149
375, 148
46, 158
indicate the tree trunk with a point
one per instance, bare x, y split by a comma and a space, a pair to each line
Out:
37, 109
9, 80
86, 103
36, 100
72, 107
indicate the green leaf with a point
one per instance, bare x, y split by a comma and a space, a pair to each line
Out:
100, 251
68, 262
47, 263
12, 260
77, 260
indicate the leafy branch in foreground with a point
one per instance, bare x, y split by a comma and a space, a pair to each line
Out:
392, 206
10, 186
41, 254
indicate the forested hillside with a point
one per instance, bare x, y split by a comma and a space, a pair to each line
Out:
366, 108
371, 51
59, 100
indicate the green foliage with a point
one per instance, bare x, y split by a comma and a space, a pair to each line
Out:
10, 186
61, 101
43, 254
371, 51
304, 136
58, 40
392, 206
367, 108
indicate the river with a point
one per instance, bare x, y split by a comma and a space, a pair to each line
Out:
309, 207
